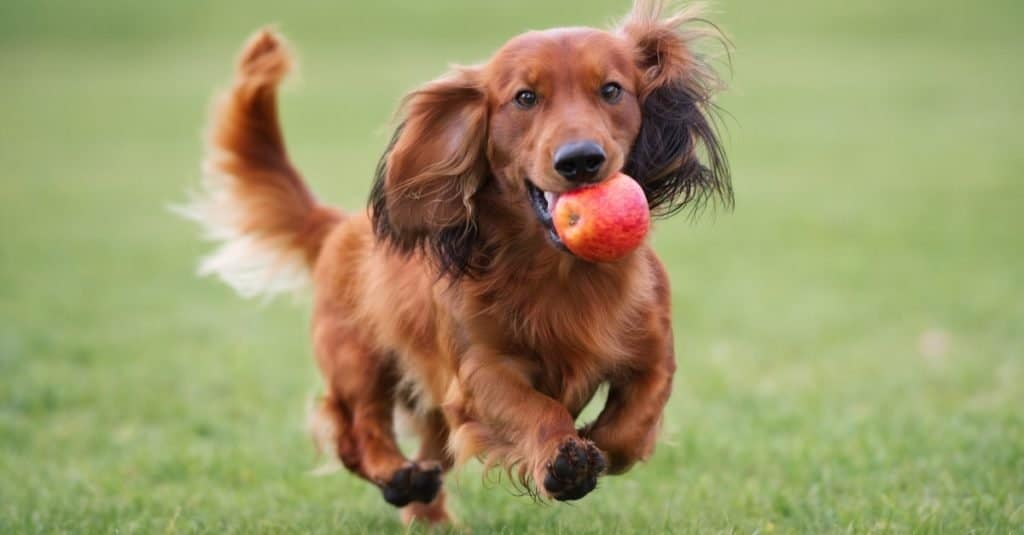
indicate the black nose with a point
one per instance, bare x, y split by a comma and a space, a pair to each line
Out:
579, 161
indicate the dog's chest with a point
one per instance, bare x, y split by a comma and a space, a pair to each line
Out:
575, 341
573, 328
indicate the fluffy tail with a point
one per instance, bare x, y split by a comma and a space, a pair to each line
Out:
253, 201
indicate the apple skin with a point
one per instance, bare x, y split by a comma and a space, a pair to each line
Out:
603, 222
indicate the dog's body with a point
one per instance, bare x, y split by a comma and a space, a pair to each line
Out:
450, 298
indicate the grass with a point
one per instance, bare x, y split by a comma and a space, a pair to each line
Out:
850, 339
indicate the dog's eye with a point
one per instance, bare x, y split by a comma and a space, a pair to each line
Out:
526, 99
611, 92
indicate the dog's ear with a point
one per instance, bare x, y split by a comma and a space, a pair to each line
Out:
427, 178
676, 86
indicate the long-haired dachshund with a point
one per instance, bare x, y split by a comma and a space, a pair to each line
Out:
450, 298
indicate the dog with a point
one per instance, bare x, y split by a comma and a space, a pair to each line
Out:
450, 298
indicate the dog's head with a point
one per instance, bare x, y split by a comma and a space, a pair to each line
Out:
550, 111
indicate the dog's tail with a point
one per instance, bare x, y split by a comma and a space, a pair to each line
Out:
253, 201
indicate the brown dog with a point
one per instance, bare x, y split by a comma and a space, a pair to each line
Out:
451, 298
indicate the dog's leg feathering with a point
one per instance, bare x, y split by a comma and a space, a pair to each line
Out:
534, 435
253, 201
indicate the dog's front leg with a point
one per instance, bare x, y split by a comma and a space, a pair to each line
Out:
628, 425
535, 429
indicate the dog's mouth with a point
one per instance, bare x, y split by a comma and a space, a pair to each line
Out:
543, 202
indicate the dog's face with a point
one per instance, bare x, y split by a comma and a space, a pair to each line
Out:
551, 111
563, 111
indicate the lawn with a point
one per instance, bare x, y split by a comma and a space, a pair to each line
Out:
850, 338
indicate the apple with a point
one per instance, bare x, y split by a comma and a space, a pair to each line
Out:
603, 222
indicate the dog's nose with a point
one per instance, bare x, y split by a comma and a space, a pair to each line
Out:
579, 161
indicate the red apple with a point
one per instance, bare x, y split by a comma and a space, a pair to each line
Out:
603, 222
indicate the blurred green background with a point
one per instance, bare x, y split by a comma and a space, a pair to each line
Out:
850, 338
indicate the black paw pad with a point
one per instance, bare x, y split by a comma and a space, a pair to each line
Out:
412, 483
574, 471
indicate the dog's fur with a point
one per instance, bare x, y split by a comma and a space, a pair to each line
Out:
447, 298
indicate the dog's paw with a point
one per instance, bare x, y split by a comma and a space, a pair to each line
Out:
413, 483
573, 473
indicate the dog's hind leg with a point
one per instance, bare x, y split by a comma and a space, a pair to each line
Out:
361, 402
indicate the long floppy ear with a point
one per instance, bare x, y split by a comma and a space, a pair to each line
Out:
423, 194
676, 90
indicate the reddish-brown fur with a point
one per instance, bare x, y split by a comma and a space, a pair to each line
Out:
495, 353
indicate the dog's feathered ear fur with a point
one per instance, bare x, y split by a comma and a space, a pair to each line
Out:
676, 90
423, 194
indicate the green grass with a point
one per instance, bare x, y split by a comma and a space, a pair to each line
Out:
878, 167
